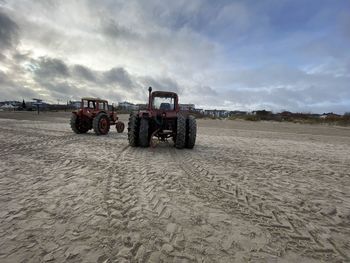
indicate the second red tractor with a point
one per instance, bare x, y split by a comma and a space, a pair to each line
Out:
94, 114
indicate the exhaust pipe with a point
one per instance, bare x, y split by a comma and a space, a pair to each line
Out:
149, 97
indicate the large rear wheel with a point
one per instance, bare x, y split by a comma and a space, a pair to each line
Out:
133, 129
191, 132
180, 140
101, 124
77, 124
144, 134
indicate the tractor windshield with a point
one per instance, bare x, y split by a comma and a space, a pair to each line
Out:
89, 104
164, 103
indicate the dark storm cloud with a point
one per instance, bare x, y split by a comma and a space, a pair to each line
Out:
47, 67
8, 31
62, 90
61, 80
165, 84
84, 73
56, 79
118, 76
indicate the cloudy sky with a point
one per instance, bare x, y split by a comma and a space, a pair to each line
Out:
240, 55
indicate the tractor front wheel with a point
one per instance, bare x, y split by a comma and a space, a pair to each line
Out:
191, 132
77, 124
143, 135
180, 139
120, 126
101, 124
133, 129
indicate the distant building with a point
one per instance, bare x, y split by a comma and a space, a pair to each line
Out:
237, 113
14, 103
32, 105
329, 115
18, 105
75, 104
200, 111
187, 107
10, 105
216, 113
127, 106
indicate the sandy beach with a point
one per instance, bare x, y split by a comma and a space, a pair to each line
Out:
247, 192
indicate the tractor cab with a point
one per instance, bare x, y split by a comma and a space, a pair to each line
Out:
164, 101
94, 104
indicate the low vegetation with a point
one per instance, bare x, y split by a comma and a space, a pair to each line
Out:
331, 119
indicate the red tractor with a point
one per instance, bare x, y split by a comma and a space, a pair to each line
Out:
162, 120
95, 114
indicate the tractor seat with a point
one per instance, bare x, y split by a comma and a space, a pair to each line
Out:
165, 106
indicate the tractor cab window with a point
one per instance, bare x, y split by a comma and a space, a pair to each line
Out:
89, 104
163, 103
102, 106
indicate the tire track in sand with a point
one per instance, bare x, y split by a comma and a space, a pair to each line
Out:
177, 226
149, 215
284, 227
